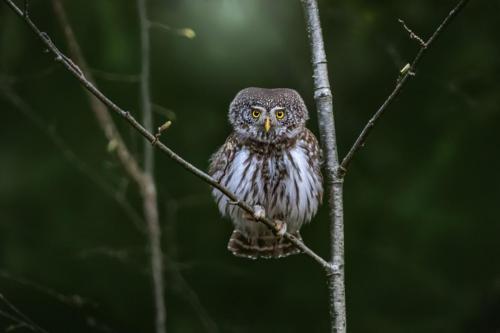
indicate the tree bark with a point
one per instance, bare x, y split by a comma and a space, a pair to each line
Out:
334, 184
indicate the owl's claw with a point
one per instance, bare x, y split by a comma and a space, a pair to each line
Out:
279, 228
258, 212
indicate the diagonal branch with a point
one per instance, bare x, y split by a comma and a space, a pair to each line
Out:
406, 73
76, 72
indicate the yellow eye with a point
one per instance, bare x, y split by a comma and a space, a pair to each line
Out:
280, 114
256, 113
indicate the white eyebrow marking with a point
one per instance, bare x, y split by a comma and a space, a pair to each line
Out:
260, 108
278, 108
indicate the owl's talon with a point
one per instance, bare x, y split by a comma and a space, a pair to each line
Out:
280, 228
258, 212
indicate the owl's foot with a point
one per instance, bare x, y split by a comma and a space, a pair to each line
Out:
279, 228
258, 213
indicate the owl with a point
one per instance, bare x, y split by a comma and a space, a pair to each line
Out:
272, 162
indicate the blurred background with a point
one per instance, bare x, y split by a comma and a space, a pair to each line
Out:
421, 199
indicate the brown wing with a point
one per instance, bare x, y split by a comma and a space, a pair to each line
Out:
222, 158
315, 157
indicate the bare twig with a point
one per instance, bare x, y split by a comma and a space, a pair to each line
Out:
179, 282
182, 32
401, 82
324, 105
21, 105
150, 202
146, 109
150, 137
412, 34
18, 317
143, 178
82, 70
75, 301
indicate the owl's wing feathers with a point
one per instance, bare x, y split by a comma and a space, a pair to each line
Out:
315, 158
222, 158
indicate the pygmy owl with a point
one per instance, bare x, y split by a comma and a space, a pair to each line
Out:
272, 162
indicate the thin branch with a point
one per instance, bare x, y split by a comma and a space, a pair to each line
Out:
21, 105
103, 117
405, 74
19, 317
143, 178
179, 282
75, 301
412, 34
183, 32
324, 106
59, 56
150, 202
146, 109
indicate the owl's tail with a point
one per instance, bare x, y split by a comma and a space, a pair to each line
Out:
265, 246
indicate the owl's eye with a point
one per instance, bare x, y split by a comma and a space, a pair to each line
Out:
255, 113
280, 114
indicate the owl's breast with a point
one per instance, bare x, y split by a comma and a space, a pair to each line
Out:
283, 182
242, 176
298, 191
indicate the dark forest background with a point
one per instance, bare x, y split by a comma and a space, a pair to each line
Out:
421, 199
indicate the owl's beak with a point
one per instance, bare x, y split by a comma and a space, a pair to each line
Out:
267, 124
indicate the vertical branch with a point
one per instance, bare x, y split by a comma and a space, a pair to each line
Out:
149, 193
143, 178
147, 115
99, 109
150, 205
324, 105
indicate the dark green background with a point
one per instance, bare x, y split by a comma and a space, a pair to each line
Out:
421, 200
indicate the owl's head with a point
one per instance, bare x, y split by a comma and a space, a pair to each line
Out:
268, 115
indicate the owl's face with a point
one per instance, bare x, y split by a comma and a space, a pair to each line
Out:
268, 115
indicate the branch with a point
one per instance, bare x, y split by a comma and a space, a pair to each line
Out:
183, 32
21, 105
147, 114
103, 117
150, 202
324, 105
69, 66
18, 317
336, 172
143, 178
406, 73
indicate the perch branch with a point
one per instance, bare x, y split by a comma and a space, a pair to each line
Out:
70, 67
324, 106
407, 73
